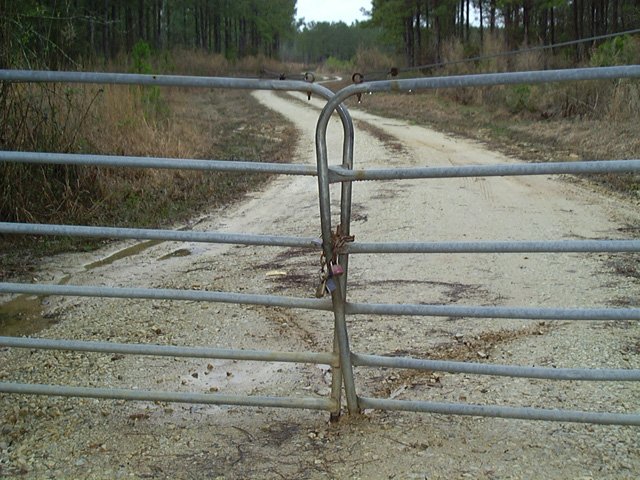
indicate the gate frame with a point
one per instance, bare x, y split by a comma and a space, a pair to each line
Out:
342, 359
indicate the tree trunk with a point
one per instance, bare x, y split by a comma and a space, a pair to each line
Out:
105, 30
418, 35
467, 24
141, 32
552, 27
438, 30
526, 20
576, 27
217, 32
492, 16
113, 41
408, 40
128, 21
481, 26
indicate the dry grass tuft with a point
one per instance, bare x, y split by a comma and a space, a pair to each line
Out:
191, 62
372, 59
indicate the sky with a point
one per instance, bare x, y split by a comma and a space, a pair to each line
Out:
332, 10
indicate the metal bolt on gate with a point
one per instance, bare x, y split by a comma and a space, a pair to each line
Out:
336, 250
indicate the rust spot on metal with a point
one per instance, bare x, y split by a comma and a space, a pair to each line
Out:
359, 174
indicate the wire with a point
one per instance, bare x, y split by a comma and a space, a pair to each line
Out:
395, 71
358, 77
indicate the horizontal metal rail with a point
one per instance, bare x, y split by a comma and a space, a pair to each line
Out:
587, 374
494, 312
552, 246
169, 350
43, 76
325, 304
487, 80
158, 162
565, 246
165, 235
336, 173
523, 413
177, 397
340, 174
167, 294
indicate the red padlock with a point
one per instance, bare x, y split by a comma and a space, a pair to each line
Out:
336, 269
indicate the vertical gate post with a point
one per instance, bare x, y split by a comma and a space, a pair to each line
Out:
338, 296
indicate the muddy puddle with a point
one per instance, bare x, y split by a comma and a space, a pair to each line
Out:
124, 253
24, 315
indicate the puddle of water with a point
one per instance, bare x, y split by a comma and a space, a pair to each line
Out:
124, 253
182, 252
23, 316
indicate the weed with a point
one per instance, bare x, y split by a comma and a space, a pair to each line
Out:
334, 65
623, 50
518, 98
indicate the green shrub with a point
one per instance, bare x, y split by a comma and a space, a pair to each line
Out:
518, 98
141, 56
335, 65
155, 107
623, 50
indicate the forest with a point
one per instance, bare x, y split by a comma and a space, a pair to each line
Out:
62, 33
421, 27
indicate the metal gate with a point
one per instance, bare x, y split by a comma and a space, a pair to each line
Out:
336, 246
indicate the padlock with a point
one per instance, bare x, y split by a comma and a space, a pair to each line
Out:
322, 287
331, 284
336, 269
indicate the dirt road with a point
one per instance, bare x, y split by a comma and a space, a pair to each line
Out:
56, 438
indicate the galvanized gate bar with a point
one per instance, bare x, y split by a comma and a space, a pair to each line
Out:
165, 235
339, 174
44, 76
587, 374
167, 294
523, 413
168, 350
158, 162
486, 80
549, 246
312, 403
527, 313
